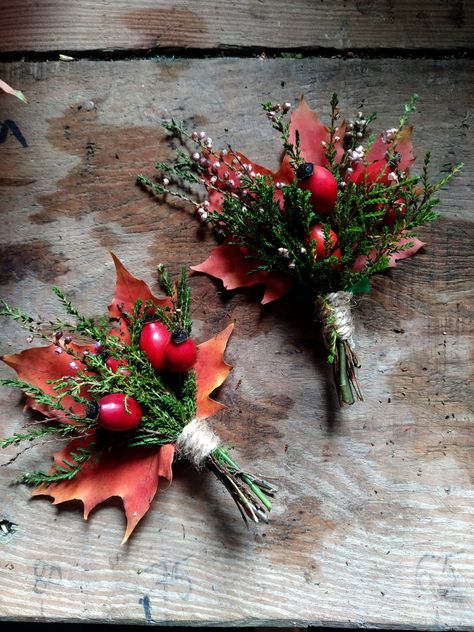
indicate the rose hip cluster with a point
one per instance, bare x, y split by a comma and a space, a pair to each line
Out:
166, 351
323, 187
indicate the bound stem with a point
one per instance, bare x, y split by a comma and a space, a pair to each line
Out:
345, 391
249, 493
345, 365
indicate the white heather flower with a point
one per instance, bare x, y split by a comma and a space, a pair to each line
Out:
202, 214
73, 365
389, 134
29, 339
202, 134
342, 184
216, 166
350, 170
196, 156
303, 251
283, 252
213, 180
206, 203
355, 155
208, 142
244, 209
166, 181
292, 265
392, 176
286, 106
58, 350
194, 135
224, 152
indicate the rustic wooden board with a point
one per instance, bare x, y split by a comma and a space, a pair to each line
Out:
61, 25
373, 523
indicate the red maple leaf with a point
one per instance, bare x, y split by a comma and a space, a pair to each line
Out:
229, 263
132, 474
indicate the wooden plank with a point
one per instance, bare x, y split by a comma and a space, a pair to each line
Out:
373, 523
203, 24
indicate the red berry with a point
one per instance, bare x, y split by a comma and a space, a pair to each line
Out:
153, 340
316, 233
376, 172
321, 183
395, 210
180, 353
114, 365
117, 412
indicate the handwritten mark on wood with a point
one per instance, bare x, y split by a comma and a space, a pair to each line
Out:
11, 127
145, 601
172, 580
45, 576
437, 575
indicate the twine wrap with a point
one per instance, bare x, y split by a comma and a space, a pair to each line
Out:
336, 315
196, 442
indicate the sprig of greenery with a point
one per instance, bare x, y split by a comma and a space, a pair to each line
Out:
65, 472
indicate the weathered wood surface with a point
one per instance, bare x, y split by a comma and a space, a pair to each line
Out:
374, 521
62, 25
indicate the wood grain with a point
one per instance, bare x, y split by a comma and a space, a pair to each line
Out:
89, 25
373, 522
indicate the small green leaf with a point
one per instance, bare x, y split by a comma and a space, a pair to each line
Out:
361, 287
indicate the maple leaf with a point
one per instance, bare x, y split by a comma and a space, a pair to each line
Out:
313, 133
212, 371
228, 263
133, 474
378, 151
39, 365
219, 168
403, 253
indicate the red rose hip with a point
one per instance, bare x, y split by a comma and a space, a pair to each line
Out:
321, 183
117, 366
394, 211
119, 413
316, 233
180, 352
153, 341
